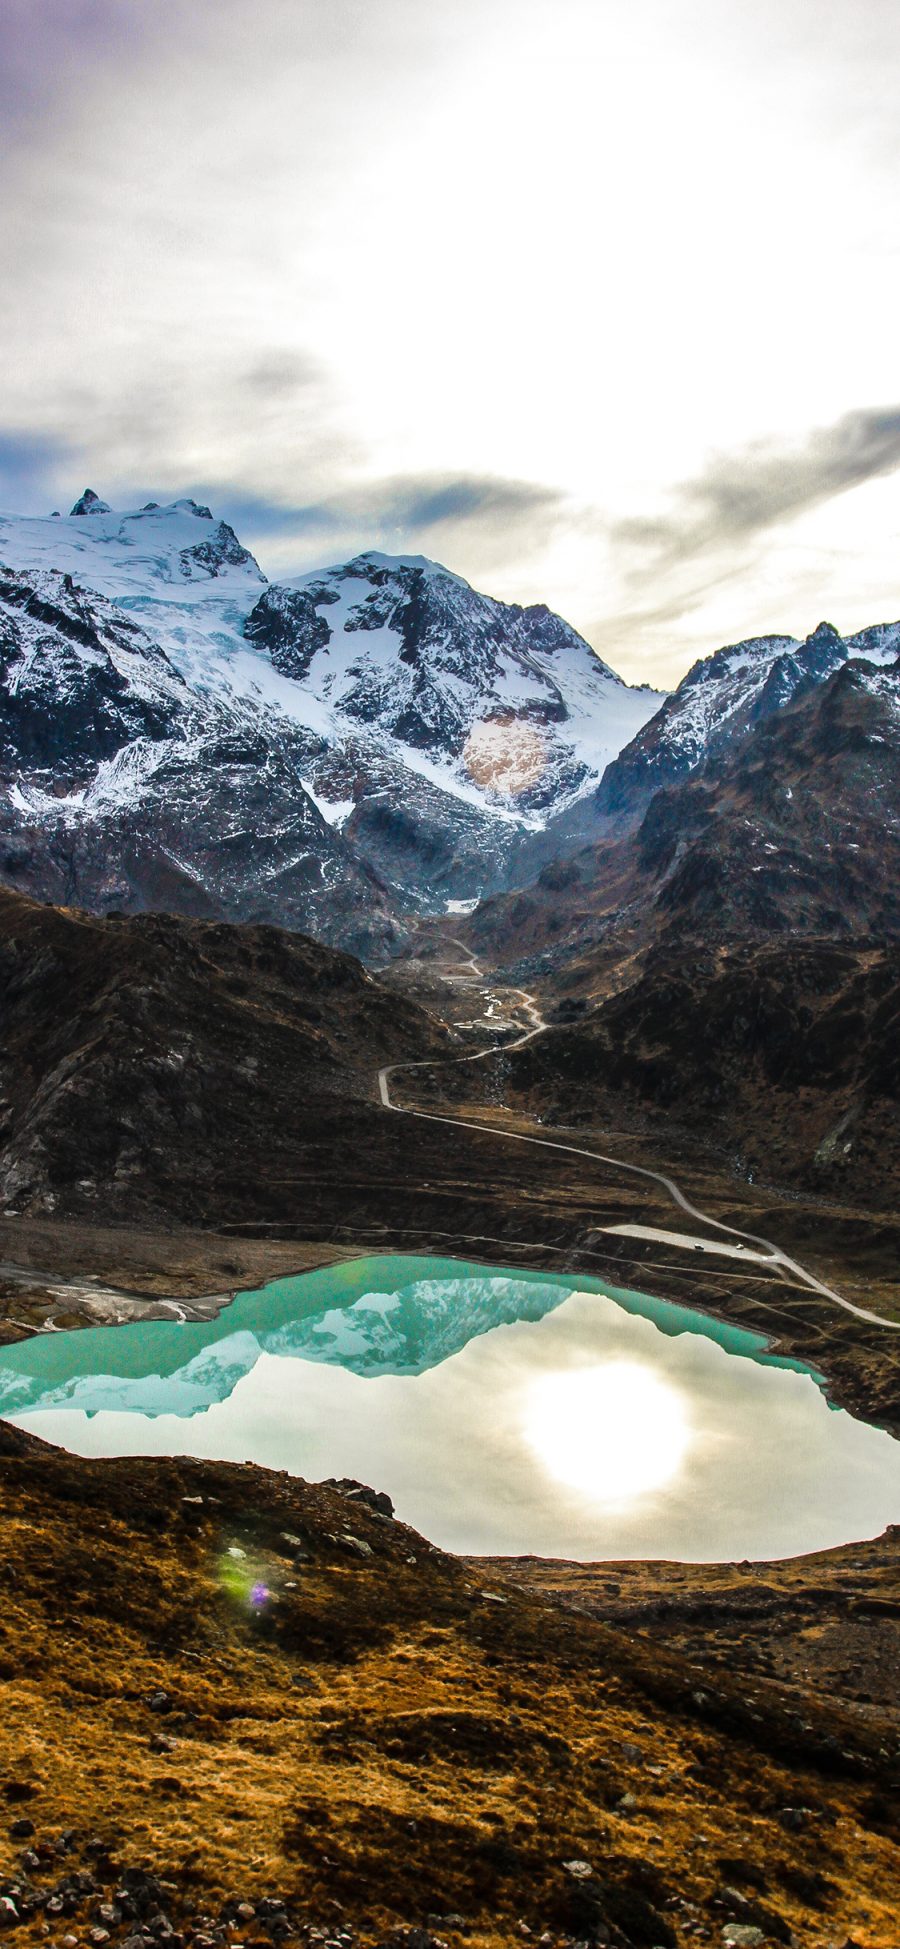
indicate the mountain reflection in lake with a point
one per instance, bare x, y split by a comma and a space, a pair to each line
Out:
504, 1412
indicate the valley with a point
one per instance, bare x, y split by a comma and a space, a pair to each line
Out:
393, 999
465, 1174
449, 975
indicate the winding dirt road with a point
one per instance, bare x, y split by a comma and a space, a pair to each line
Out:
766, 1253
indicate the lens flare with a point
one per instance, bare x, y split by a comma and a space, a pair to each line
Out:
614, 1432
505, 755
241, 1583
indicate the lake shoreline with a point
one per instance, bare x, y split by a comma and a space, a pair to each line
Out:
504, 1409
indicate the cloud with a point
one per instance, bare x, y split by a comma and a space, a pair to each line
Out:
253, 514
31, 467
277, 376
471, 519
742, 495
47, 46
421, 503
434, 501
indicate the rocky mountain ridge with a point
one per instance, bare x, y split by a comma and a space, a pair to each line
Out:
122, 787
514, 698
344, 751
794, 830
331, 754
722, 697
783, 1059
151, 1062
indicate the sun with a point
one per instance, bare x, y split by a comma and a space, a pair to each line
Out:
615, 1432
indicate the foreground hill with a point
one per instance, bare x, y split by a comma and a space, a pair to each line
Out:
240, 1707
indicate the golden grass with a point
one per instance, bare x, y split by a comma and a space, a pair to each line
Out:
383, 1735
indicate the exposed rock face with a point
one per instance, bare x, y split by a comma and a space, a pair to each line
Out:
79, 679
287, 623
219, 551
722, 697
400, 644
164, 1062
785, 1058
797, 830
121, 787
331, 755
793, 830
90, 503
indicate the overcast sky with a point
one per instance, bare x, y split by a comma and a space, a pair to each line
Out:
595, 301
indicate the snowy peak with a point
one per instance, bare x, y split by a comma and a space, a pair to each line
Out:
403, 648
879, 644
165, 553
723, 696
331, 753
80, 681
90, 503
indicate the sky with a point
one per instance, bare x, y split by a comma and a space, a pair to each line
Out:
594, 301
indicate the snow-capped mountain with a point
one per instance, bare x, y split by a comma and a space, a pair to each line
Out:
80, 680
123, 787
723, 696
185, 569
506, 705
327, 752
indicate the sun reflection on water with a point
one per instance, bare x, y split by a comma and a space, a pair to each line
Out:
615, 1432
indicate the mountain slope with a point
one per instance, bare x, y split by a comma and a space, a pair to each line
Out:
783, 1058
730, 968
371, 740
722, 697
121, 786
256, 1710
510, 702
181, 1066
795, 830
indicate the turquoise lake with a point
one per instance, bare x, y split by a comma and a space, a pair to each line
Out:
504, 1411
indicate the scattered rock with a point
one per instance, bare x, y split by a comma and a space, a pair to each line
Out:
357, 1545
376, 1499
794, 1818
